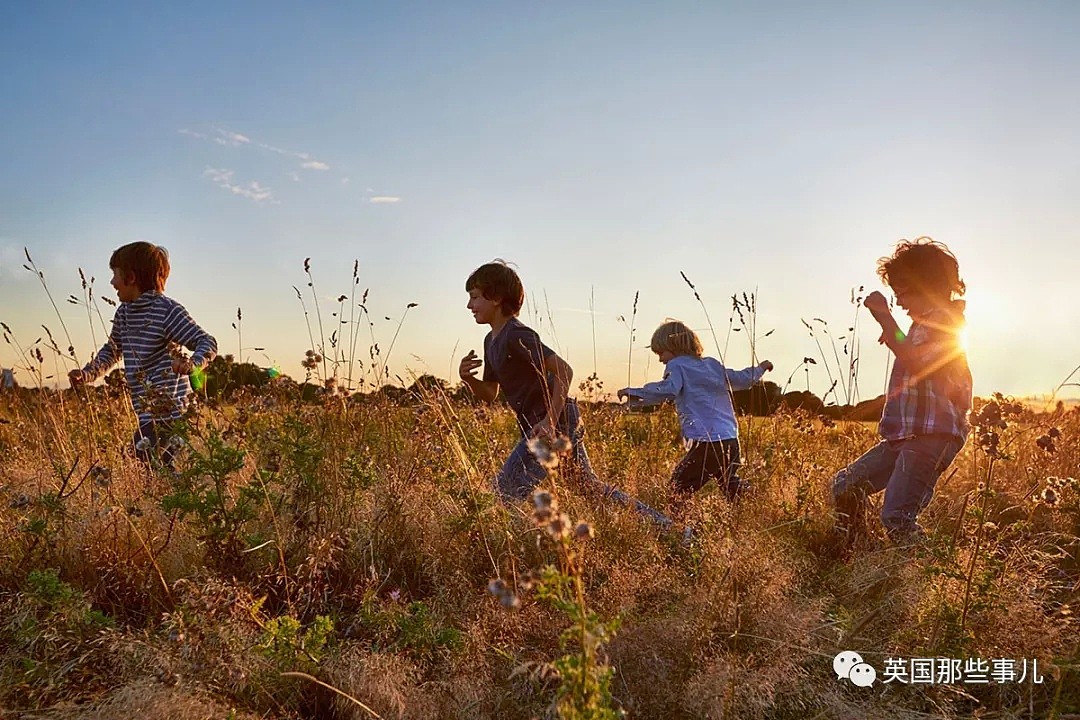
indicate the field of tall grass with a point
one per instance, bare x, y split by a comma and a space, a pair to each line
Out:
323, 553
345, 558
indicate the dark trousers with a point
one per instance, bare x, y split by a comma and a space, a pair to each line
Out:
154, 437
704, 461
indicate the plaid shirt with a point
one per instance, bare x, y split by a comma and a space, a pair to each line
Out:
938, 399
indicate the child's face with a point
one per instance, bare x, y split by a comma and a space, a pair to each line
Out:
124, 284
484, 311
664, 355
914, 302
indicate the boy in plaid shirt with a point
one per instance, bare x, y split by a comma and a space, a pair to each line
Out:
924, 423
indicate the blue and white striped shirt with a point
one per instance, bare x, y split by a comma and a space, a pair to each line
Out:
700, 388
142, 333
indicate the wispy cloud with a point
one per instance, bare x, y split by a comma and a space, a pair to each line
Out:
254, 190
257, 192
230, 138
227, 137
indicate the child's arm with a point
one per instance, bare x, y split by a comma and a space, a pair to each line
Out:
109, 354
561, 375
919, 359
748, 377
485, 390
655, 393
181, 328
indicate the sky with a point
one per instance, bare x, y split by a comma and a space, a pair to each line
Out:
773, 149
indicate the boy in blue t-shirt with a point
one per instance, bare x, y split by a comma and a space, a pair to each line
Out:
535, 381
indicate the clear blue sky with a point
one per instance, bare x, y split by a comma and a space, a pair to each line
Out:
602, 147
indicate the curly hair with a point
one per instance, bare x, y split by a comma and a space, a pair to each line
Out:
924, 265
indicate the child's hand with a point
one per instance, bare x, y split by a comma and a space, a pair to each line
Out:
183, 366
876, 303
468, 366
765, 365
77, 378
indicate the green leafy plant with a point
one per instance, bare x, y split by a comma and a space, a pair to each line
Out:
584, 676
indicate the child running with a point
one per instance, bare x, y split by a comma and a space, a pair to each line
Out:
535, 381
924, 422
146, 326
701, 389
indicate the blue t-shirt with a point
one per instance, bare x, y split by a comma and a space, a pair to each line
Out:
515, 359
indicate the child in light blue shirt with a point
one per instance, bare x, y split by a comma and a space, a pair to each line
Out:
701, 389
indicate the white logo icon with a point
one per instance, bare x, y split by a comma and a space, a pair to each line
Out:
849, 664
863, 675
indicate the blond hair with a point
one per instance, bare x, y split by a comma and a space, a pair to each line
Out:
676, 338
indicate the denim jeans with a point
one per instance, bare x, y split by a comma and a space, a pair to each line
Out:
522, 472
155, 437
907, 470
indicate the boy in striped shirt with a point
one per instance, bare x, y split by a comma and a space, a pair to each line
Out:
146, 328
924, 423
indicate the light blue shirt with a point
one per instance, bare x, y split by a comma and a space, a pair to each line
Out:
700, 389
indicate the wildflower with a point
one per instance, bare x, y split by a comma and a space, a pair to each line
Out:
1046, 443
101, 476
583, 531
559, 527
561, 445
1050, 496
542, 499
543, 452
506, 596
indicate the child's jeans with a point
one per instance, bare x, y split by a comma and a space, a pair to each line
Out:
907, 470
522, 472
155, 437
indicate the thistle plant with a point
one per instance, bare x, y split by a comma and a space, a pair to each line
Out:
584, 691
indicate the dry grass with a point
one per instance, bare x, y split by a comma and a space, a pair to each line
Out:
378, 518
